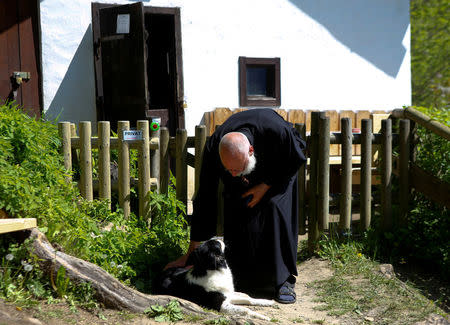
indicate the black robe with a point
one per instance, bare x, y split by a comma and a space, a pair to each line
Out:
261, 241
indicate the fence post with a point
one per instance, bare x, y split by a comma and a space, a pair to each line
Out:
404, 150
64, 133
124, 168
346, 178
86, 161
181, 165
313, 226
73, 133
164, 160
144, 169
386, 174
104, 161
324, 173
301, 179
200, 141
155, 161
366, 174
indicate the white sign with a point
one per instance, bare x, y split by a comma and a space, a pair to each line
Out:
123, 24
129, 135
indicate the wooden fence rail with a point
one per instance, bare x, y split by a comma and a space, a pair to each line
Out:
157, 152
104, 143
313, 216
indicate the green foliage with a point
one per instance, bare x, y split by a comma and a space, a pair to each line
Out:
357, 288
427, 234
20, 276
133, 249
33, 184
168, 313
425, 238
62, 282
430, 50
433, 151
217, 321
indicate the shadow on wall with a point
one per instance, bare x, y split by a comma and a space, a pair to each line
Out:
75, 99
372, 29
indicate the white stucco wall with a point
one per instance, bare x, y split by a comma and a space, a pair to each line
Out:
334, 55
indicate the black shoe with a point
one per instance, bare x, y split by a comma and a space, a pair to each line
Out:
286, 292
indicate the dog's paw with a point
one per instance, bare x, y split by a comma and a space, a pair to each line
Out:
264, 302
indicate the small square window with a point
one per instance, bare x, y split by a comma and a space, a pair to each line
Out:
259, 82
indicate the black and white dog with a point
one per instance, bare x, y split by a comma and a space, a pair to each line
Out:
208, 283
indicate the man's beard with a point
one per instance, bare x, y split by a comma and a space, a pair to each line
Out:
250, 166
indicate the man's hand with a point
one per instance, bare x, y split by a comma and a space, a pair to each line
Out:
180, 262
258, 192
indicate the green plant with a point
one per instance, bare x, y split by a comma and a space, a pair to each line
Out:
430, 49
168, 313
33, 184
217, 321
425, 237
357, 288
61, 282
21, 280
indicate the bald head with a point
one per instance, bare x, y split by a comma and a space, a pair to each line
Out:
235, 153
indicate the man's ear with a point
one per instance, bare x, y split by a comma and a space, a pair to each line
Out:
251, 150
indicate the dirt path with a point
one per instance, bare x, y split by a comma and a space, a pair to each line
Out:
301, 312
304, 311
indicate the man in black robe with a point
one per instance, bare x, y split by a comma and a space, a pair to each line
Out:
258, 159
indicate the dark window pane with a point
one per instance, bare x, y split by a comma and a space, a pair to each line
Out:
257, 81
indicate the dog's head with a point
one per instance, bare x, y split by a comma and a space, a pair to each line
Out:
210, 255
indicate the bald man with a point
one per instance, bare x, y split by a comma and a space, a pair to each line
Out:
256, 154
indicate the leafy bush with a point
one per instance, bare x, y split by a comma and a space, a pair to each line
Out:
426, 236
33, 184
169, 313
433, 151
430, 49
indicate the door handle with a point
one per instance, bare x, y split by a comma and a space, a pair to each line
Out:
17, 78
20, 76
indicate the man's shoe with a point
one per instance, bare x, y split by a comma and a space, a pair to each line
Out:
286, 293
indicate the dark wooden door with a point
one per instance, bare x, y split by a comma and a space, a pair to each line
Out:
139, 75
20, 52
120, 62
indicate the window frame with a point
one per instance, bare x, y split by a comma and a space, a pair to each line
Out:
246, 100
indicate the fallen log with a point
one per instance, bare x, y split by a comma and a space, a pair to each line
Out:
110, 291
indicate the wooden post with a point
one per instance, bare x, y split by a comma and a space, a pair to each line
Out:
313, 226
181, 165
64, 133
164, 160
301, 179
104, 161
366, 174
73, 134
324, 173
86, 161
144, 169
124, 168
200, 141
346, 178
404, 151
386, 174
155, 160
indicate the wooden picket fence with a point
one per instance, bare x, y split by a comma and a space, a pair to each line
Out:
157, 148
